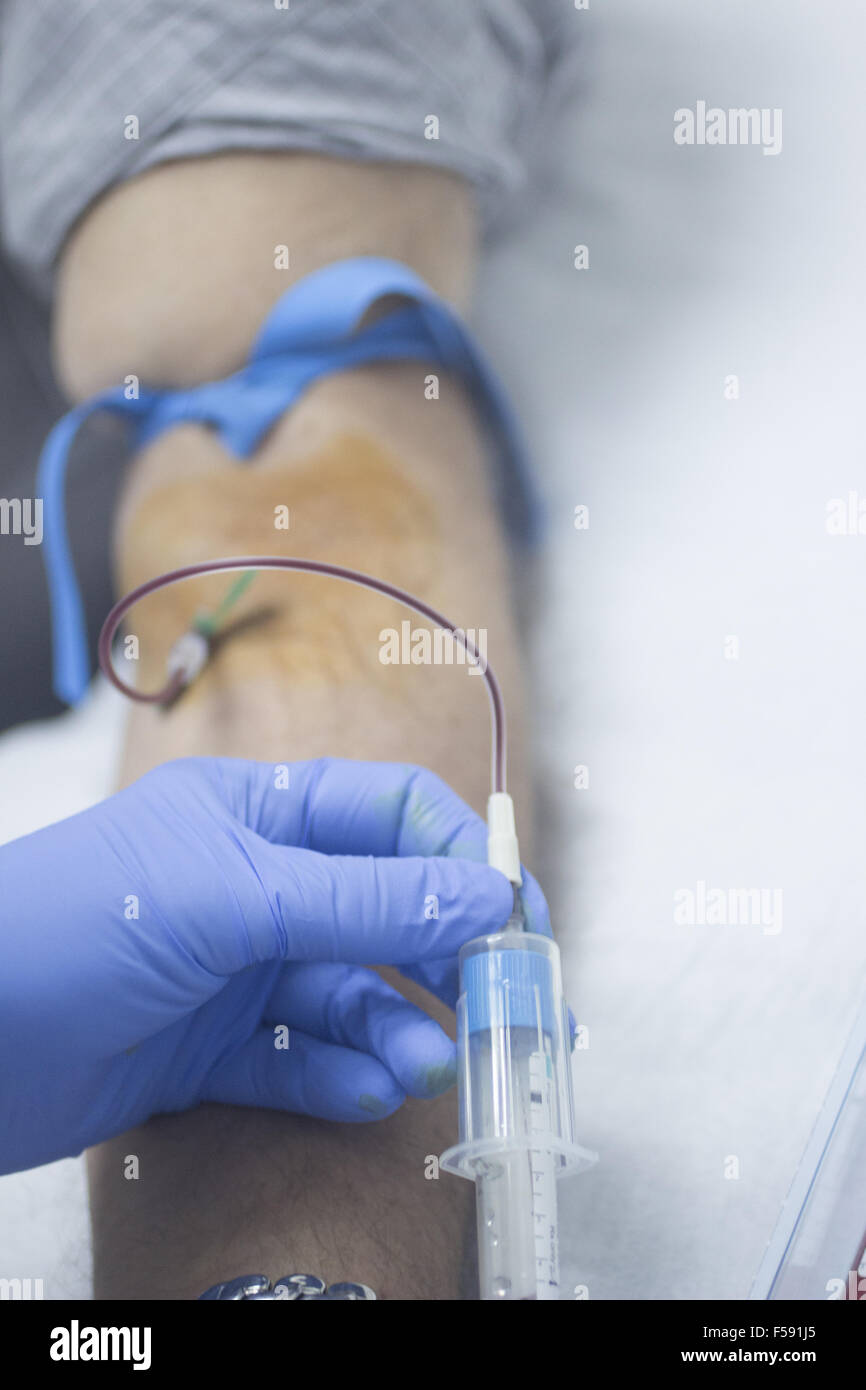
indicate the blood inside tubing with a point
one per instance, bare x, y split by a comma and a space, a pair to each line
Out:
274, 562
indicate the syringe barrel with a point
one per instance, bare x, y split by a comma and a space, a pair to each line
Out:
512, 1028
516, 1107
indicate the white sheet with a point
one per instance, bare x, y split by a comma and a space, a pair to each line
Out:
707, 520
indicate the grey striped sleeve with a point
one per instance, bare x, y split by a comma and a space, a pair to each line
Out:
95, 91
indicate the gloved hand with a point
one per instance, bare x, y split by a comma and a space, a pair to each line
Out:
161, 949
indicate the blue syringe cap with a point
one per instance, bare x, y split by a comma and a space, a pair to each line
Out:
509, 988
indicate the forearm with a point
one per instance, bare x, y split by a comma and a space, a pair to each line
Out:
379, 478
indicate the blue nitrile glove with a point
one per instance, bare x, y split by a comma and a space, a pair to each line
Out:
163, 948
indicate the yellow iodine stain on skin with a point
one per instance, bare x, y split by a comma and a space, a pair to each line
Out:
350, 503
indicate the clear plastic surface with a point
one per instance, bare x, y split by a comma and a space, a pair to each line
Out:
818, 1250
516, 1108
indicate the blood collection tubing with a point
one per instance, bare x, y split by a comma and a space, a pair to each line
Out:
514, 1075
179, 678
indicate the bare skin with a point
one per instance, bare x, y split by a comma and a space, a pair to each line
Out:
376, 477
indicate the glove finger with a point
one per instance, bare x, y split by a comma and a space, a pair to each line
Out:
535, 906
440, 977
340, 806
364, 911
309, 1077
354, 1007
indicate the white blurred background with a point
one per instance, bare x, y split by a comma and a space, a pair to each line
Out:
707, 1044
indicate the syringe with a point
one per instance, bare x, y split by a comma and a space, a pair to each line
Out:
515, 1091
